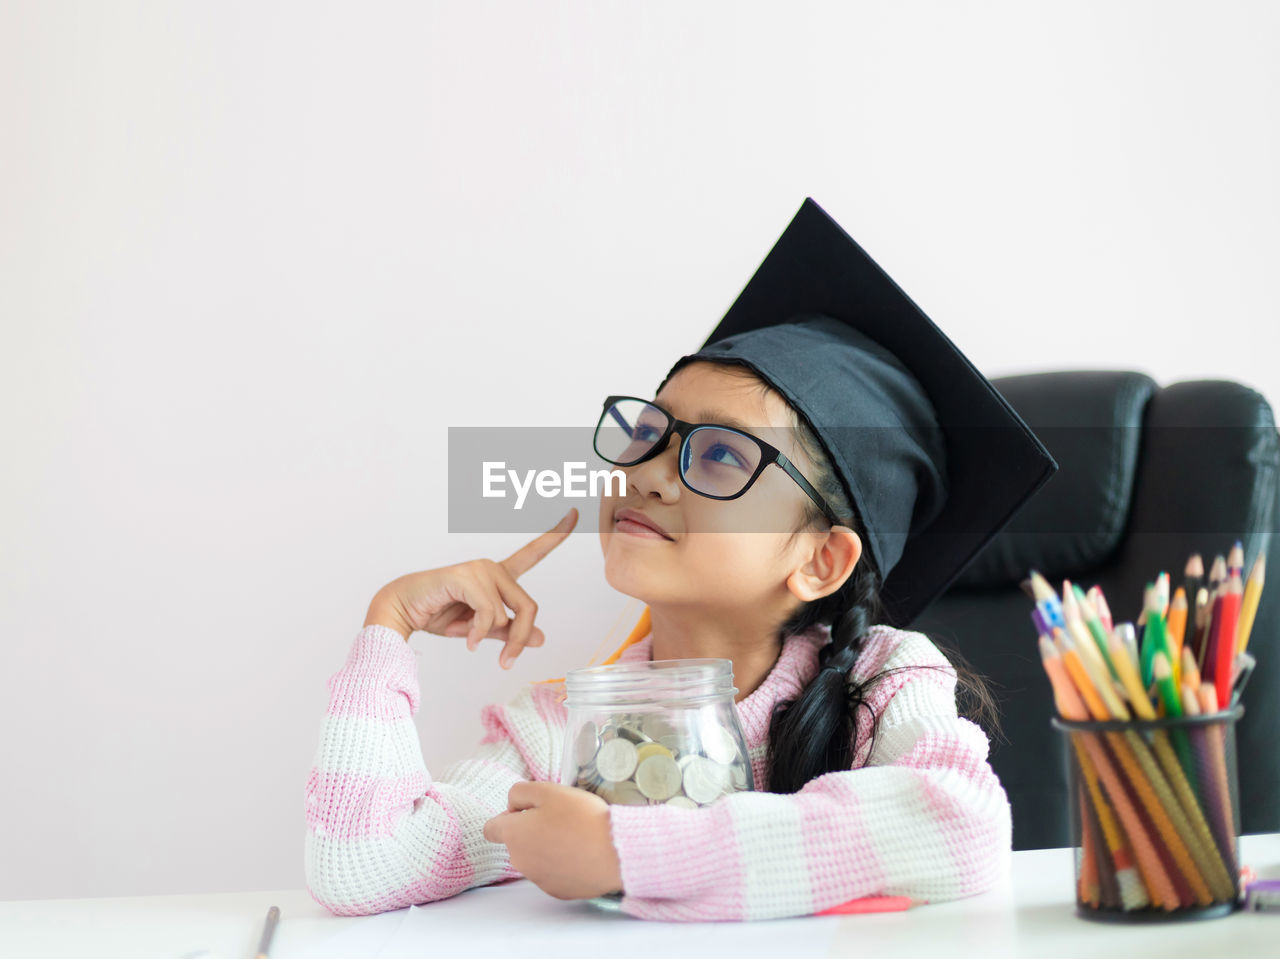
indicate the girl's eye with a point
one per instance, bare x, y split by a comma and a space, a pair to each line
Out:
644, 433
739, 461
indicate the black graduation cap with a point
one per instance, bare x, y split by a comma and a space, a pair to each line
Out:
933, 457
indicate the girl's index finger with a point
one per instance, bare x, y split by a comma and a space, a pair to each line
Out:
527, 556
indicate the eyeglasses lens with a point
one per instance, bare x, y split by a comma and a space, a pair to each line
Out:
713, 461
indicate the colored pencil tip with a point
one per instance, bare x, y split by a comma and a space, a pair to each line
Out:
1041, 586
1195, 566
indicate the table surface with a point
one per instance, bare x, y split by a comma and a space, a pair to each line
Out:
1031, 913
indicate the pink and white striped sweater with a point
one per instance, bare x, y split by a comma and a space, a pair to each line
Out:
925, 816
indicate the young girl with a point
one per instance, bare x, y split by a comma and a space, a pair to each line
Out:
868, 782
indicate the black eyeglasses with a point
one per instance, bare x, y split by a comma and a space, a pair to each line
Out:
718, 462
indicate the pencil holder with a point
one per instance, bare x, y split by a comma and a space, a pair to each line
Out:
662, 732
1154, 817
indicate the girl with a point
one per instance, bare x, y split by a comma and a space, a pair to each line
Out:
868, 780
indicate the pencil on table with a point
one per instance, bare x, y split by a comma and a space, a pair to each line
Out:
268, 930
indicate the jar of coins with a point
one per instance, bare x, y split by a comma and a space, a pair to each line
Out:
664, 731
650, 733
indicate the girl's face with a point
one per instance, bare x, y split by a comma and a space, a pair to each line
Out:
722, 554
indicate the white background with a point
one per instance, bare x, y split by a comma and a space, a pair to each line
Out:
256, 258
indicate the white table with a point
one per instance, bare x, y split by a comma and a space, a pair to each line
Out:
1031, 914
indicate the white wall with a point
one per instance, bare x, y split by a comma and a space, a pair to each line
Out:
256, 258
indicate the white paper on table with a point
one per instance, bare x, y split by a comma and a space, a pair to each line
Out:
489, 920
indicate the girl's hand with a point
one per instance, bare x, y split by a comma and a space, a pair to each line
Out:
560, 838
471, 599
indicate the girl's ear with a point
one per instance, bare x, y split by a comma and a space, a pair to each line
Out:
834, 556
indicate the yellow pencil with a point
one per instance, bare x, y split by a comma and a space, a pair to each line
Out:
1249, 607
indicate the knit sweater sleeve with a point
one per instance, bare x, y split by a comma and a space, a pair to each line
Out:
921, 815
382, 833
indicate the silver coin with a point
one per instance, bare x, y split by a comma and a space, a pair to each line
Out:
704, 779
656, 726
616, 759
587, 743
719, 744
658, 777
675, 742
624, 793
682, 801
632, 734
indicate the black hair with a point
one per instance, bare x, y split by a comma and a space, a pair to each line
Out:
815, 733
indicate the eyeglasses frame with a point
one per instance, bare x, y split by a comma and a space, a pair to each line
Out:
769, 454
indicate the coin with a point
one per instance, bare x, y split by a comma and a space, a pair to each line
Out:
683, 801
675, 742
719, 744
624, 793
587, 743
616, 759
704, 779
652, 749
632, 734
656, 726
658, 776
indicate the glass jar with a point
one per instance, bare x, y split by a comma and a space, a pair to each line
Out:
651, 733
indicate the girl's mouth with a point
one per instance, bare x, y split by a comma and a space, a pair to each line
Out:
639, 530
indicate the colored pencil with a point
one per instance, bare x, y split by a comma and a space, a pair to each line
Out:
1155, 878
1100, 605
1235, 559
1176, 631
1214, 743
1201, 620
1252, 596
1223, 639
1217, 573
1192, 579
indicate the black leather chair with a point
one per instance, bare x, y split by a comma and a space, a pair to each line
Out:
1148, 476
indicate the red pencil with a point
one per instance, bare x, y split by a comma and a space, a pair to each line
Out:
872, 904
1226, 648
